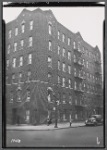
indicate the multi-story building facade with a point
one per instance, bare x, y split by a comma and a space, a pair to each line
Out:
45, 63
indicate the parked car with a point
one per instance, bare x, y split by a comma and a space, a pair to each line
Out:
94, 120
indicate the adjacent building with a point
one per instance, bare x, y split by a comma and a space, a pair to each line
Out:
49, 70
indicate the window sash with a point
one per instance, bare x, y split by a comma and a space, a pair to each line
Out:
63, 38
7, 63
49, 62
8, 49
10, 34
58, 34
31, 25
58, 50
23, 28
69, 56
16, 31
30, 41
22, 43
63, 82
63, 52
69, 69
50, 29
58, 65
15, 47
58, 79
30, 59
21, 61
63, 67
50, 45
14, 62
69, 41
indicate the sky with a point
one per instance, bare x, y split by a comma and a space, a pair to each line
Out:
86, 20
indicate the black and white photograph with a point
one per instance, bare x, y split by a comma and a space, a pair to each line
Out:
53, 75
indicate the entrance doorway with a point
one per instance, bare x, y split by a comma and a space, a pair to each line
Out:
14, 116
27, 117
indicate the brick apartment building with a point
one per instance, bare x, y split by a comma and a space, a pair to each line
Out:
49, 70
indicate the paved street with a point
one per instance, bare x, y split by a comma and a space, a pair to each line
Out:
68, 137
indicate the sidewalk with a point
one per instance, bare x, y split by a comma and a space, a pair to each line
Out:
43, 127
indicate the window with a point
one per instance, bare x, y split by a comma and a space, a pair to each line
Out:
80, 72
93, 79
74, 58
63, 52
58, 65
63, 82
75, 85
96, 79
30, 41
15, 47
21, 61
13, 78
70, 99
22, 43
7, 63
19, 96
16, 31
69, 56
14, 62
7, 79
10, 33
49, 62
8, 49
83, 49
90, 77
31, 25
64, 98
87, 76
74, 45
30, 59
76, 117
63, 38
76, 101
69, 82
20, 77
87, 64
27, 116
58, 79
50, 45
11, 97
75, 71
63, 67
50, 29
80, 86
28, 95
58, 50
49, 75
87, 88
28, 75
69, 41
58, 34
79, 46
83, 62
23, 28
69, 69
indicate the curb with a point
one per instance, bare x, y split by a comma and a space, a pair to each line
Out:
44, 129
